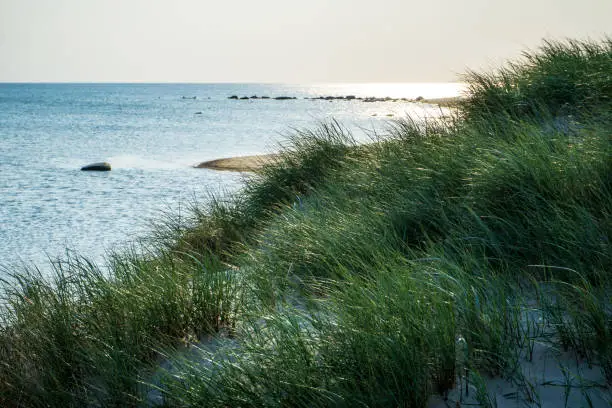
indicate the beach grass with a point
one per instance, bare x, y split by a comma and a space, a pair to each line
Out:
444, 253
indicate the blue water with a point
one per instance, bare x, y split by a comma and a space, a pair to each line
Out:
152, 137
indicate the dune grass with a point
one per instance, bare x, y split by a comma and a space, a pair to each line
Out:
81, 336
351, 275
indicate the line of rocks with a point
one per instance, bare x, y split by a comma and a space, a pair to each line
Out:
278, 98
331, 98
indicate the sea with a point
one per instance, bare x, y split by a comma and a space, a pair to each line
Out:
152, 135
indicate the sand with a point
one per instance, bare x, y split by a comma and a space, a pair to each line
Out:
241, 163
543, 376
552, 379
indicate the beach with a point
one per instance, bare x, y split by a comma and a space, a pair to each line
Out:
239, 163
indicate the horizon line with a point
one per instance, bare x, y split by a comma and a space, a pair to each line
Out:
223, 82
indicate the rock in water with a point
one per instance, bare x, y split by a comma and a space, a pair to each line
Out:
101, 166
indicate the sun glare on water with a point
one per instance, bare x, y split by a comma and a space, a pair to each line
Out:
401, 89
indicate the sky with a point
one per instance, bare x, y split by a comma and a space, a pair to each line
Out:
281, 41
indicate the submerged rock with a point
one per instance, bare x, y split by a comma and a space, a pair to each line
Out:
100, 166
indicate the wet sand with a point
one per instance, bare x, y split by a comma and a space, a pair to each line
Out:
240, 163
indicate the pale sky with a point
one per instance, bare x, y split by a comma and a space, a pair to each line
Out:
284, 41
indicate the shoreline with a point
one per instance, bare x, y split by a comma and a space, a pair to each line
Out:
251, 163
254, 163
449, 102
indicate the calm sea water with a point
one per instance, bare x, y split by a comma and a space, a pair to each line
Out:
152, 137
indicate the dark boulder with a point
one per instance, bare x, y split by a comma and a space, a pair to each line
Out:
101, 166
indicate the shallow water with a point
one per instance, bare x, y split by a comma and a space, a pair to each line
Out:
152, 136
